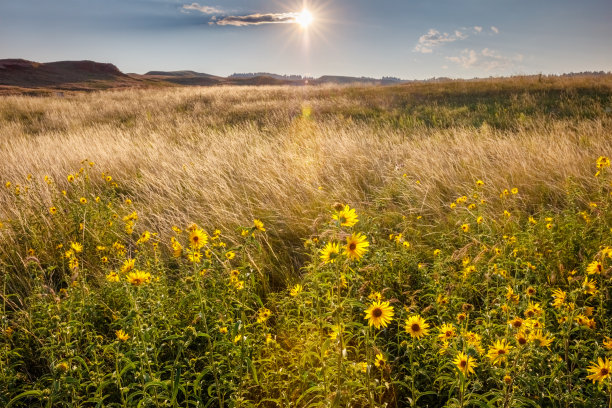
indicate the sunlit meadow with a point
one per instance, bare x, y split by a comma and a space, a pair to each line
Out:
420, 245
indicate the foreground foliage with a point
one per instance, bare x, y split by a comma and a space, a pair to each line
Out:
475, 308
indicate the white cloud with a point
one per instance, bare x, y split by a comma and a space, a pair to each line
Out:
258, 19
478, 29
434, 38
202, 9
487, 59
495, 29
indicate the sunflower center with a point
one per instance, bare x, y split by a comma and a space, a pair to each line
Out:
377, 312
415, 327
501, 351
463, 363
517, 323
522, 340
352, 246
604, 371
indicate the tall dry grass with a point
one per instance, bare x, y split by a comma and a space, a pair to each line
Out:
223, 156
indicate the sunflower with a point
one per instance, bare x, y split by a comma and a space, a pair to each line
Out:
356, 246
600, 371
559, 297
541, 339
121, 335
330, 252
465, 363
230, 254
521, 338
416, 326
447, 331
112, 277
83, 200
194, 256
589, 286
602, 162
128, 265
533, 309
594, 268
465, 227
499, 351
197, 238
346, 216
76, 247
258, 225
379, 313
53, 210
296, 290
380, 361
137, 278
263, 314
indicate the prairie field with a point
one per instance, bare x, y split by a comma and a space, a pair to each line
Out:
427, 244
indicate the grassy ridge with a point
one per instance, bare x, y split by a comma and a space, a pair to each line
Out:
107, 244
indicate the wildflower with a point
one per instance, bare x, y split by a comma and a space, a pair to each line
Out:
499, 351
380, 361
197, 238
589, 286
530, 291
263, 315
83, 200
600, 371
230, 254
602, 162
507, 214
461, 317
296, 290
594, 268
363, 366
194, 256
128, 265
521, 338
177, 248
447, 331
137, 278
128, 201
121, 335
356, 246
442, 300
517, 322
108, 179
416, 326
479, 220
549, 226
379, 314
73, 263
346, 216
474, 339
532, 220
507, 379
104, 259
479, 183
465, 227
541, 339
607, 343
53, 210
144, 237
223, 330
465, 363
259, 225
436, 252
70, 178
237, 338
63, 366
377, 296
112, 277
76, 247
330, 252
514, 190
453, 205
533, 309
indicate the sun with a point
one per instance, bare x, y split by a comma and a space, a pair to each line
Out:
304, 18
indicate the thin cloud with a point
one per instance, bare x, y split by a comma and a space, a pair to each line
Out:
257, 19
202, 9
495, 29
478, 29
487, 59
434, 38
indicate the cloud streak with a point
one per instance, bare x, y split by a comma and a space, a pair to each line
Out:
434, 38
487, 59
257, 19
202, 9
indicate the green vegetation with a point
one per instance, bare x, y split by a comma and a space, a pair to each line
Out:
425, 245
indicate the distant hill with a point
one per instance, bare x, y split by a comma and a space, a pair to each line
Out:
75, 75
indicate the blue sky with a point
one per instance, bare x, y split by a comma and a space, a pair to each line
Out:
410, 39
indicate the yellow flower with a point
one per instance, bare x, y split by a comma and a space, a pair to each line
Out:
607, 343
600, 371
514, 190
128, 265
194, 256
380, 361
602, 162
73, 263
465, 227
479, 220
499, 351
144, 237
121, 335
589, 286
104, 259
479, 183
83, 200
296, 290
177, 248
517, 323
530, 291
223, 330
230, 255
263, 314
258, 225
436, 252
533, 309
559, 297
379, 314
197, 238
465, 364
76, 247
447, 331
137, 277
541, 339
112, 277
532, 220
416, 326
70, 178
356, 246
346, 216
594, 268
521, 338
330, 252
53, 210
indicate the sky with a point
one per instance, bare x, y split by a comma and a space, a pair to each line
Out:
408, 39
